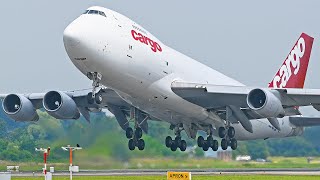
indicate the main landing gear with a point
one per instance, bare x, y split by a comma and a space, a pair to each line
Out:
177, 142
135, 138
94, 97
208, 143
227, 135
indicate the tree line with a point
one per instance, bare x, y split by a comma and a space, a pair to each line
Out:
104, 137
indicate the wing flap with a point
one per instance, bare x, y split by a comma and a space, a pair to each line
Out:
299, 97
211, 96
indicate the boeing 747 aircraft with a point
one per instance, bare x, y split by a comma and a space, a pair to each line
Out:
138, 78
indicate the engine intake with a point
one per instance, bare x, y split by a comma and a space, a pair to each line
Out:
265, 103
60, 105
19, 108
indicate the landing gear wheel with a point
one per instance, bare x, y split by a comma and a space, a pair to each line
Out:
222, 132
131, 145
200, 141
205, 146
183, 145
98, 98
231, 132
224, 144
129, 133
168, 141
178, 141
89, 98
215, 145
234, 144
210, 141
173, 146
141, 144
138, 133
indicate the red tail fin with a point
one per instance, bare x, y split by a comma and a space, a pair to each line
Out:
293, 71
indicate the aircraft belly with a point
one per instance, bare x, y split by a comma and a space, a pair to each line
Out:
164, 109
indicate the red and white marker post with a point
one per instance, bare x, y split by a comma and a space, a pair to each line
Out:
46, 153
71, 149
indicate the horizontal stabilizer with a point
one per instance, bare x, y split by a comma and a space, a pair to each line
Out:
305, 121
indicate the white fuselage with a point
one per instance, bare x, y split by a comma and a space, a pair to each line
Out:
141, 69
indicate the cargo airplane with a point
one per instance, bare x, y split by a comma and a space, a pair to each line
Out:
138, 78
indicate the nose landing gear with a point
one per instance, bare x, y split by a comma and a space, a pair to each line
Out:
93, 96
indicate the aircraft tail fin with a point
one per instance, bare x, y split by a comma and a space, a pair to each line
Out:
292, 72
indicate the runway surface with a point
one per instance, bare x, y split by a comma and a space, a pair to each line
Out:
163, 172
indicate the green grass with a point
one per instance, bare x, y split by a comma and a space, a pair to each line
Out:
218, 177
168, 163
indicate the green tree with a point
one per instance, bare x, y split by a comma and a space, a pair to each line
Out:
257, 149
3, 144
3, 128
241, 150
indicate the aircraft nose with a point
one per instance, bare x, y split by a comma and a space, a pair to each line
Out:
71, 36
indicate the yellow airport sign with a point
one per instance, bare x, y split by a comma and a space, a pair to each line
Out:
178, 175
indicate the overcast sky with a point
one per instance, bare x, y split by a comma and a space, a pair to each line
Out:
247, 40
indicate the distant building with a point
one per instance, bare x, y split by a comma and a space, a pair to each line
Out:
225, 155
243, 158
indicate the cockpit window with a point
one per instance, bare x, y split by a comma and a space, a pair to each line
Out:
95, 12
102, 13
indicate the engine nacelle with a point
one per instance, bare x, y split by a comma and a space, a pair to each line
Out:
19, 108
265, 103
60, 105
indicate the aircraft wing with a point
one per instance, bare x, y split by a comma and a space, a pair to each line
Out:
305, 121
26, 104
217, 98
79, 96
211, 96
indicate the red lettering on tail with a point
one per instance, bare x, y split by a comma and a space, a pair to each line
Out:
293, 71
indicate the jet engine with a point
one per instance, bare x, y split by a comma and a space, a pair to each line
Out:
19, 108
60, 105
265, 103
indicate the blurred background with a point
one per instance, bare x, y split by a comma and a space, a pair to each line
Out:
246, 40
105, 147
